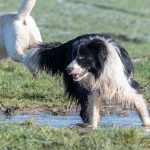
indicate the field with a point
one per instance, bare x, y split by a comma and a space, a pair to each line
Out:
61, 20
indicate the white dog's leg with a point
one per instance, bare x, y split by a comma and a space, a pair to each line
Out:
93, 108
141, 107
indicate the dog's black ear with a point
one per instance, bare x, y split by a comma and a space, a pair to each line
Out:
99, 49
100, 52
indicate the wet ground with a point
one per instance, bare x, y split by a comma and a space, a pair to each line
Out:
69, 120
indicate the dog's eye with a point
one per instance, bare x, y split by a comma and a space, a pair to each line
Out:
81, 58
74, 53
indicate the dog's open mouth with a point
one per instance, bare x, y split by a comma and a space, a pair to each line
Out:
79, 76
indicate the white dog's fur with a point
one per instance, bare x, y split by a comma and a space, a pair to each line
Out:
18, 31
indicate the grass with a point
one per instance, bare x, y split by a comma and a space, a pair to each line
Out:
62, 20
30, 136
19, 89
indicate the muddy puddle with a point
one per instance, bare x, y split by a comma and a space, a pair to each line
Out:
69, 120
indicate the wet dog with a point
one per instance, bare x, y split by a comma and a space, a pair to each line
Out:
18, 31
95, 69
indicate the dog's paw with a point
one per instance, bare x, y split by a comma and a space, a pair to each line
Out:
146, 123
36, 75
86, 125
146, 126
83, 125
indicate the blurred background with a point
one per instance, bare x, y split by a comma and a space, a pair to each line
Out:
61, 20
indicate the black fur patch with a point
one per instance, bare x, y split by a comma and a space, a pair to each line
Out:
126, 62
135, 85
94, 55
51, 57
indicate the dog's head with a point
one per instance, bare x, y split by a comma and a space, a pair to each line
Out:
89, 58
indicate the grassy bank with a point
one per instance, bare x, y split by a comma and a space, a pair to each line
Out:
29, 136
18, 89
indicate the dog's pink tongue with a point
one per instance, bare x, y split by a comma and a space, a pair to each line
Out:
75, 76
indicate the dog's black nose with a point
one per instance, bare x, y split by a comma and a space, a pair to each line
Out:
69, 69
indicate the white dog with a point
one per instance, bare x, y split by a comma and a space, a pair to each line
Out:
18, 31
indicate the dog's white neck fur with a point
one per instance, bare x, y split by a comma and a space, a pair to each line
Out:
112, 78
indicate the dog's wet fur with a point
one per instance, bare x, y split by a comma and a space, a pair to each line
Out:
95, 68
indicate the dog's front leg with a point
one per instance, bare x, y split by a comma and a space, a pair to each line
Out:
93, 109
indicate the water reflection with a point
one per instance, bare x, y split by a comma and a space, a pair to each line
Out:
61, 121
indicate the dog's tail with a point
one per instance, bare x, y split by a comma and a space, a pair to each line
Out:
25, 8
46, 56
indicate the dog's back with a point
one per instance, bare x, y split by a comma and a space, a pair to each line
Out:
18, 31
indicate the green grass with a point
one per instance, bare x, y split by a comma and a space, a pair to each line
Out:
19, 89
142, 74
30, 136
128, 21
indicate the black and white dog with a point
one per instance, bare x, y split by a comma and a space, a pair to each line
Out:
95, 68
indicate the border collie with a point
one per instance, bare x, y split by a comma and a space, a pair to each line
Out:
18, 31
95, 68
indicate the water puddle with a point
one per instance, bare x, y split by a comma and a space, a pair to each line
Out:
60, 121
